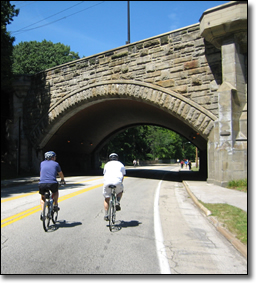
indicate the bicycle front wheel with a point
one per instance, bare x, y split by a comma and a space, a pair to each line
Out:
45, 216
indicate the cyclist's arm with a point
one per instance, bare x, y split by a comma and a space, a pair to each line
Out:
61, 176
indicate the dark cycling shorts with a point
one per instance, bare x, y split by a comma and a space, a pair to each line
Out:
48, 186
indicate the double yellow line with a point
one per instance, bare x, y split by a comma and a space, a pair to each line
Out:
24, 214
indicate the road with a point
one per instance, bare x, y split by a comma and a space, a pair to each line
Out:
168, 235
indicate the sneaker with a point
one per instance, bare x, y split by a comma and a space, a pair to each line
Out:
56, 208
118, 208
106, 217
41, 218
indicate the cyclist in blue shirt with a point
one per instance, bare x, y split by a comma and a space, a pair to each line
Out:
49, 169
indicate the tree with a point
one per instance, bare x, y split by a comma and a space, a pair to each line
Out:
32, 57
164, 143
8, 11
147, 143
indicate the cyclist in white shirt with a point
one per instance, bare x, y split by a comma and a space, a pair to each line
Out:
114, 172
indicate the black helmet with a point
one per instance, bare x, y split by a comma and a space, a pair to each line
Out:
113, 156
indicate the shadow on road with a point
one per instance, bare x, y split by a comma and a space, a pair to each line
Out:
24, 188
124, 224
178, 176
63, 224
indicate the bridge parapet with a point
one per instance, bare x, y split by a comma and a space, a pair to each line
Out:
175, 61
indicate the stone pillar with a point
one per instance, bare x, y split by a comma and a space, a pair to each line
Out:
19, 146
225, 27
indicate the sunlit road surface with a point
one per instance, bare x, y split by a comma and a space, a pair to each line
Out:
164, 236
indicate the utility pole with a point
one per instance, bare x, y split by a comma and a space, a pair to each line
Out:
128, 22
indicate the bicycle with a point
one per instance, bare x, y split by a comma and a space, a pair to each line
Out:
112, 207
48, 212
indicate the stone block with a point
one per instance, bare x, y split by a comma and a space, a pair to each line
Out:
191, 64
166, 83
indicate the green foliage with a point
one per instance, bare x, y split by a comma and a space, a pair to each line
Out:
32, 57
8, 11
238, 185
148, 143
164, 143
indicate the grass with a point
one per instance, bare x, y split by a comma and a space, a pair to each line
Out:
232, 218
240, 185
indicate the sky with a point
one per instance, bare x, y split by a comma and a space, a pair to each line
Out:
91, 27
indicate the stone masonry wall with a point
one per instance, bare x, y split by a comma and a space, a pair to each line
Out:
176, 61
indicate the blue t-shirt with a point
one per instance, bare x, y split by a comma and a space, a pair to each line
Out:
49, 170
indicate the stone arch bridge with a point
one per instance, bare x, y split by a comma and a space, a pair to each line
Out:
191, 80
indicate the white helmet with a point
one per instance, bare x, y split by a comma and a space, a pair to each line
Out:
49, 154
113, 156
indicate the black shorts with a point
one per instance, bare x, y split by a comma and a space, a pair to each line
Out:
48, 186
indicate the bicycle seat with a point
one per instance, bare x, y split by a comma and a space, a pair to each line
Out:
47, 194
112, 186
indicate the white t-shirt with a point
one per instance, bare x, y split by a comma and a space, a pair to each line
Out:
114, 172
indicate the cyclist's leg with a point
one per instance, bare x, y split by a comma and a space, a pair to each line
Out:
119, 191
106, 194
42, 201
42, 188
55, 195
106, 204
119, 196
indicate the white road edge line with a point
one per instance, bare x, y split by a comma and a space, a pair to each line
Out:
162, 257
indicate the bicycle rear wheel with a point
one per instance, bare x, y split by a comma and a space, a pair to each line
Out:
54, 216
112, 213
45, 216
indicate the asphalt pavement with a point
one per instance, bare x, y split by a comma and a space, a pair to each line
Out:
199, 191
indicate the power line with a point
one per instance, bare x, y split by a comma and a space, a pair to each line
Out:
22, 30
47, 17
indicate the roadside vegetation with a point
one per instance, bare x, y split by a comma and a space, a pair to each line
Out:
240, 185
232, 218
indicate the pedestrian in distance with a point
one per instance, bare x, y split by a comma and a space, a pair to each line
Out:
114, 172
189, 164
49, 169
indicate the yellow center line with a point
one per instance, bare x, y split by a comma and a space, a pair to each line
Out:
17, 197
33, 210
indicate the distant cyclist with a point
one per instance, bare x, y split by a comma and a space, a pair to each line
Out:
49, 169
114, 172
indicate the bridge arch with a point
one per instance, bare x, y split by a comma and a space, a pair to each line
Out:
189, 113
79, 125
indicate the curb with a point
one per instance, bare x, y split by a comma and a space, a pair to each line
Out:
230, 237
